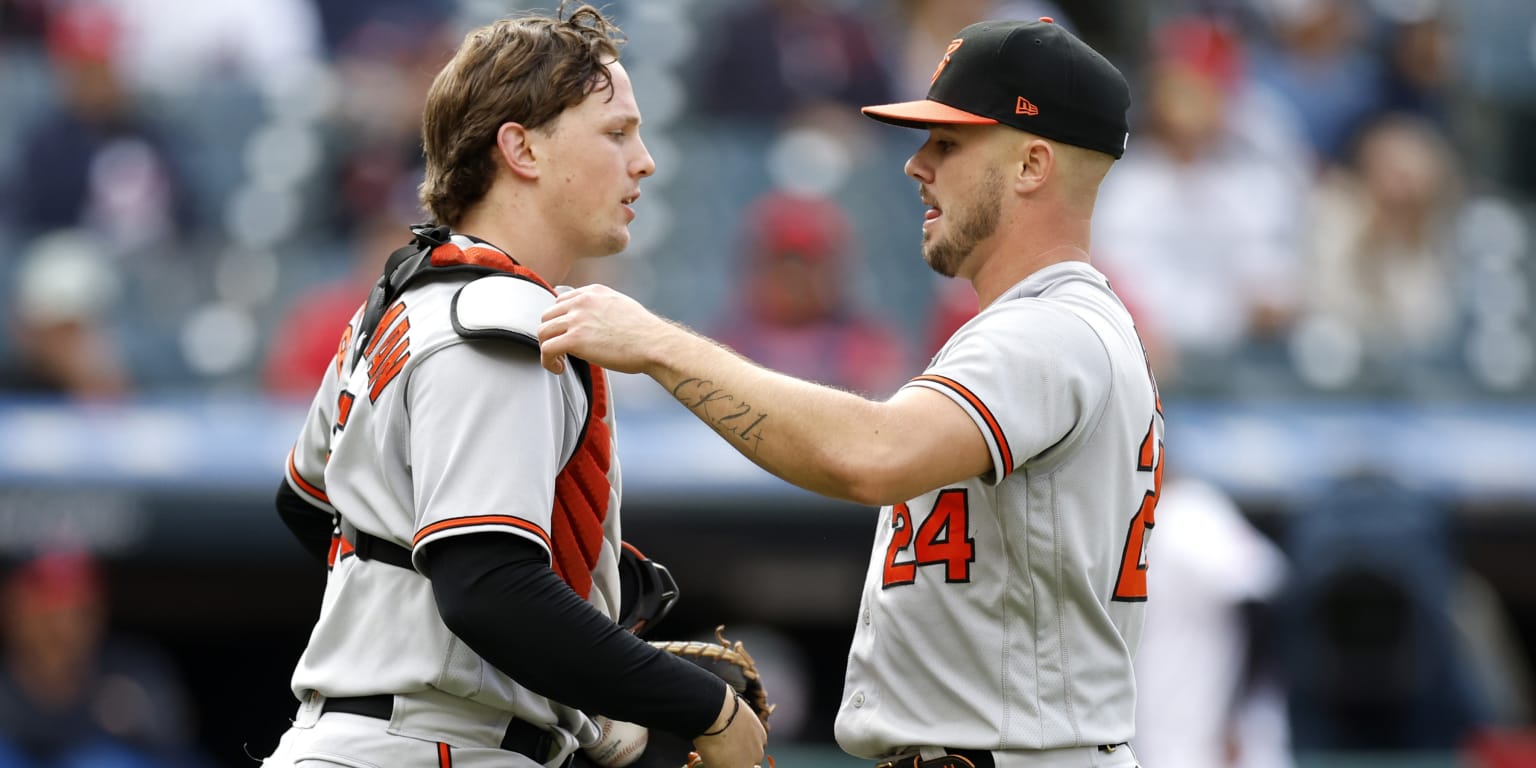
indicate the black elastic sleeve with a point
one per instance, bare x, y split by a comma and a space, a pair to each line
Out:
310, 524
497, 593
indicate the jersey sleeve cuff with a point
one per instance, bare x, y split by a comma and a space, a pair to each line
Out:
991, 429
308, 491
516, 526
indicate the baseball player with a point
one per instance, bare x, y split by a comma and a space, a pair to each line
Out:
1019, 473
465, 500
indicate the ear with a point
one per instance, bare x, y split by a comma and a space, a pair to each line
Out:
1035, 162
515, 144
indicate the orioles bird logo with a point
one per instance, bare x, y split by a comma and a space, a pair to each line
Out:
954, 45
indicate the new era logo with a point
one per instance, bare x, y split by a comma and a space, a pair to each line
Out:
1025, 107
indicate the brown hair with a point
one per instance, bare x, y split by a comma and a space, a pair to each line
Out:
526, 70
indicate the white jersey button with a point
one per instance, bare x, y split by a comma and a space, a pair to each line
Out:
858, 699
866, 617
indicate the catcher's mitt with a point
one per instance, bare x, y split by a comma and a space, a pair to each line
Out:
730, 662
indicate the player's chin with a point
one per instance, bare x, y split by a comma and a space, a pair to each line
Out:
617, 241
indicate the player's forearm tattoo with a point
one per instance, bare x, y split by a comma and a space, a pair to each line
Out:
722, 410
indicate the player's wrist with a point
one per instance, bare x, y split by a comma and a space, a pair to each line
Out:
729, 709
668, 353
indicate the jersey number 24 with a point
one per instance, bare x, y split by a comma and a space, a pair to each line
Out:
942, 537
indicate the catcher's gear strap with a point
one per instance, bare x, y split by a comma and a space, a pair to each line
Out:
504, 306
647, 591
433, 251
505, 300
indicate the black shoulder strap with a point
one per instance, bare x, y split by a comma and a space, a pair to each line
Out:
399, 268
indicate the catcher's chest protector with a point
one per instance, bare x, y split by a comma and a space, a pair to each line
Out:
582, 489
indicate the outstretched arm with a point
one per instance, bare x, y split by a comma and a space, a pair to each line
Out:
823, 439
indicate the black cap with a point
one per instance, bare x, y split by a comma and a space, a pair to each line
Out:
1032, 75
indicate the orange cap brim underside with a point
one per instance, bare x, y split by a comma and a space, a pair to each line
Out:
916, 114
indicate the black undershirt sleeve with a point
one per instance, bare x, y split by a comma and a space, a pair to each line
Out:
496, 592
310, 524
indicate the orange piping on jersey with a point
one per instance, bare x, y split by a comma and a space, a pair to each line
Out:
465, 522
303, 484
986, 415
444, 756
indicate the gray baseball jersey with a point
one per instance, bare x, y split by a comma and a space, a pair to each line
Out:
432, 435
1002, 612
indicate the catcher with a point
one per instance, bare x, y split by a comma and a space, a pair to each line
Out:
466, 503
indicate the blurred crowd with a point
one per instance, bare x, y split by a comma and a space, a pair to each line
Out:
1320, 198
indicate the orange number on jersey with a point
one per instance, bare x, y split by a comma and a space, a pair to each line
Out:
342, 347
1131, 586
343, 410
942, 538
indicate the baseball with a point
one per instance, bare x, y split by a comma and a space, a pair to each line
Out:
619, 744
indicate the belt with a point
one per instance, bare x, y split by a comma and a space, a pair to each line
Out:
521, 737
962, 758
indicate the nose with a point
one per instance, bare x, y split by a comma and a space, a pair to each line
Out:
646, 164
915, 168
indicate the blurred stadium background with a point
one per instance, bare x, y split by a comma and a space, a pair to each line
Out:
1323, 226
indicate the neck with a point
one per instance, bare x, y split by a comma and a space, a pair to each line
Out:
1027, 244
517, 229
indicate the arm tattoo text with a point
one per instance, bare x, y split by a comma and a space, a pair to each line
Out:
721, 410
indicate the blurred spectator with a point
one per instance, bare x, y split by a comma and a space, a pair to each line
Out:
64, 290
1382, 269
1198, 226
1374, 660
1420, 66
71, 694
383, 70
1497, 80
170, 47
1320, 60
95, 161
22, 19
346, 24
1207, 694
798, 316
790, 61
307, 336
